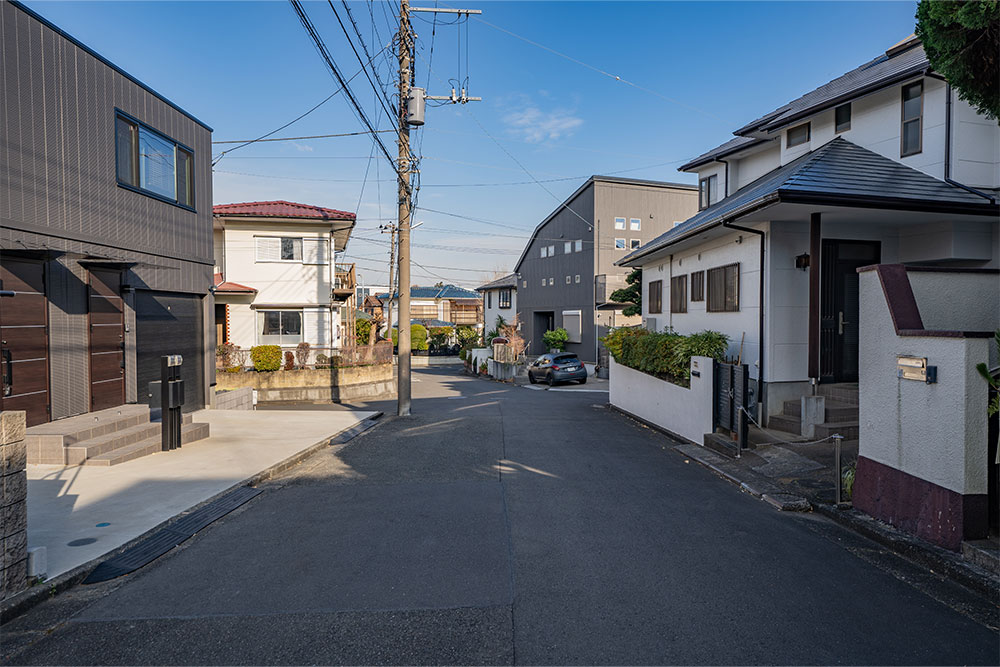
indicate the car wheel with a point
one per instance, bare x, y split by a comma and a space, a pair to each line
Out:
531, 378
583, 381
550, 380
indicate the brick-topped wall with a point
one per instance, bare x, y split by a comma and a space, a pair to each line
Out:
13, 504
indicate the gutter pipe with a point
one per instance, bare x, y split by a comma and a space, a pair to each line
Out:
947, 150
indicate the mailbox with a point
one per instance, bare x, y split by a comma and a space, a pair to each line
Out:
915, 368
175, 392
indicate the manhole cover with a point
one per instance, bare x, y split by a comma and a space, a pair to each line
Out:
81, 542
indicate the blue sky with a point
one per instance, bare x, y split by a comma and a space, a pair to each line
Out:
246, 68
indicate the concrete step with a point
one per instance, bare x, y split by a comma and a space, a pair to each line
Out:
87, 449
849, 430
721, 444
786, 423
845, 392
984, 553
836, 411
90, 425
190, 432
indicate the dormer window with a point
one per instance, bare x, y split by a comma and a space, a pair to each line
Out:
796, 136
912, 119
842, 118
707, 188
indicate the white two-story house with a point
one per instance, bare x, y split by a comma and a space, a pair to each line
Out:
884, 165
499, 300
276, 280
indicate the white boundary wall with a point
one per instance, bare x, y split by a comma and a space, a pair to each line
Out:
684, 412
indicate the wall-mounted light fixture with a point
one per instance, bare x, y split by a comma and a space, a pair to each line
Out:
127, 289
802, 261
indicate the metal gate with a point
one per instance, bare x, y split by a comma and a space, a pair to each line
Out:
732, 400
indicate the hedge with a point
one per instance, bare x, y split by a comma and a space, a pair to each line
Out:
666, 355
418, 337
265, 357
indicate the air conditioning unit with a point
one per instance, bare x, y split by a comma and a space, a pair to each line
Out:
650, 323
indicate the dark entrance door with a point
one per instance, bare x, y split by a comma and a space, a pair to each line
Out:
221, 328
24, 363
107, 339
544, 321
839, 306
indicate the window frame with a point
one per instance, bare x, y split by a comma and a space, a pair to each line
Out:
259, 328
678, 295
569, 280
256, 251
710, 184
132, 120
578, 245
620, 247
708, 288
903, 120
788, 135
634, 244
504, 298
655, 306
621, 221
567, 247
635, 224
489, 298
576, 279
837, 129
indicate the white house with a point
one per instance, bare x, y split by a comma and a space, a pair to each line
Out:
499, 300
883, 165
440, 306
275, 279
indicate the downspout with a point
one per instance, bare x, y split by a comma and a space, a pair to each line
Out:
760, 318
947, 150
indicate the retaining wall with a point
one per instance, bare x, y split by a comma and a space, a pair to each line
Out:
13, 504
353, 383
234, 399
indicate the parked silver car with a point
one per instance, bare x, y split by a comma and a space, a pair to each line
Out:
559, 367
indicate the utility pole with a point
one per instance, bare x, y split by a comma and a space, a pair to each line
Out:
392, 275
405, 45
411, 112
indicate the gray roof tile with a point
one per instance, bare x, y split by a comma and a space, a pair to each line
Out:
509, 280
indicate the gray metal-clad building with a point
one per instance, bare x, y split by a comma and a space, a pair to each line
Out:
105, 229
567, 271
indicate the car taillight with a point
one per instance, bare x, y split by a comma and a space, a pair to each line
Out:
556, 368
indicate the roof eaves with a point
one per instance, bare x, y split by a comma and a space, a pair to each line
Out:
549, 217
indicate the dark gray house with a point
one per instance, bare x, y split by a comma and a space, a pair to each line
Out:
567, 272
105, 229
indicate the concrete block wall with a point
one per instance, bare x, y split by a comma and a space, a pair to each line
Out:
234, 399
13, 504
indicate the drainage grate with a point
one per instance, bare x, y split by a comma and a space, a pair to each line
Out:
355, 430
167, 538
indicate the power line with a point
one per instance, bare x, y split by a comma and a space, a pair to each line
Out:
312, 136
380, 89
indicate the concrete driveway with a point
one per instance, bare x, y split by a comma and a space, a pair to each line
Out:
502, 526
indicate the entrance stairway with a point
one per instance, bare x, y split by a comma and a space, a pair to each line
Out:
841, 413
103, 438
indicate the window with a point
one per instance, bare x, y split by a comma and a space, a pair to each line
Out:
504, 298
572, 323
544, 282
619, 223
678, 294
912, 119
545, 251
579, 245
724, 289
279, 249
552, 281
842, 118
279, 327
552, 251
619, 244
568, 247
568, 280
655, 296
634, 244
152, 163
635, 224
524, 283
489, 299
698, 286
576, 278
706, 191
798, 135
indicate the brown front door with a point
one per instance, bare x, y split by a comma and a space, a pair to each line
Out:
107, 339
24, 363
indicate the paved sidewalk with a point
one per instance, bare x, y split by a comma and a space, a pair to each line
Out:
80, 513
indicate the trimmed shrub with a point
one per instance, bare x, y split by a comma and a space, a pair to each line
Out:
462, 354
265, 358
666, 355
439, 336
289, 360
362, 330
418, 337
322, 361
613, 341
302, 354
467, 336
556, 339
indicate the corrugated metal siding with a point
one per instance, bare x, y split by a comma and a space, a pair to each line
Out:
66, 283
171, 324
58, 151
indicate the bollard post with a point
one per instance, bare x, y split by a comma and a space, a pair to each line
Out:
838, 440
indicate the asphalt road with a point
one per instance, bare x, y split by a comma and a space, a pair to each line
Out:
502, 525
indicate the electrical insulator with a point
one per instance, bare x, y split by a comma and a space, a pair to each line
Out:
415, 105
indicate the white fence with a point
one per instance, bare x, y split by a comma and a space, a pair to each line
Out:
686, 412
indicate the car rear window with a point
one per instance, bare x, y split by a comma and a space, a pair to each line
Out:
566, 358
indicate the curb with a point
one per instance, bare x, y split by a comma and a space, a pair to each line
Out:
19, 604
949, 564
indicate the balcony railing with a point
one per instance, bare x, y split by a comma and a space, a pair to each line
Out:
344, 282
